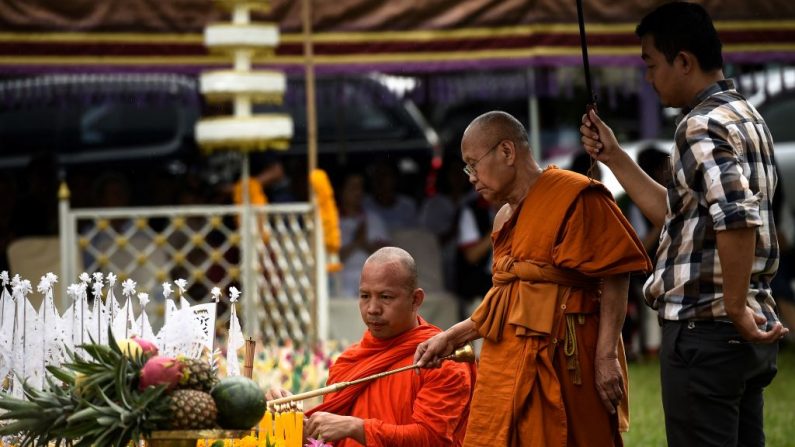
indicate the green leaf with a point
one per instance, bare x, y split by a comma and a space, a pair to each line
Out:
107, 421
83, 415
64, 375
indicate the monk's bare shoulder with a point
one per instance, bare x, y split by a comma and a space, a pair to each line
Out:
502, 216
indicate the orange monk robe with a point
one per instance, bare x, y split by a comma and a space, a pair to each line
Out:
540, 320
404, 409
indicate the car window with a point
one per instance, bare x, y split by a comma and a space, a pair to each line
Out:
352, 109
95, 119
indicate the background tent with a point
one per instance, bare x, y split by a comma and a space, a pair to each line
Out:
362, 35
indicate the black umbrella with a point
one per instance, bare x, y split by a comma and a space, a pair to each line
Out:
585, 64
587, 67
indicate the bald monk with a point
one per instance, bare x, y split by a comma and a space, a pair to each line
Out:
404, 409
551, 370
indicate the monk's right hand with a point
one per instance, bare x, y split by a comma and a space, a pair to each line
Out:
429, 353
597, 138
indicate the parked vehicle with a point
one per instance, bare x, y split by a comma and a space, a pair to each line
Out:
130, 121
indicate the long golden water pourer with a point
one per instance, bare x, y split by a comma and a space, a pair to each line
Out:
464, 354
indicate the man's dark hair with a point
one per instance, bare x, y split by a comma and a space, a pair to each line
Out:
682, 26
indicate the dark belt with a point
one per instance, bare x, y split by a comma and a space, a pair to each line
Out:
691, 323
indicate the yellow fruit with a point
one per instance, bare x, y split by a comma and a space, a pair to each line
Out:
129, 348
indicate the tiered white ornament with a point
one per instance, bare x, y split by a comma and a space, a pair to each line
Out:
244, 131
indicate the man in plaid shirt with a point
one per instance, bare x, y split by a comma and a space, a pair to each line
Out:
718, 248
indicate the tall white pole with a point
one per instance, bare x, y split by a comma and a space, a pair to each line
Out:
534, 123
318, 308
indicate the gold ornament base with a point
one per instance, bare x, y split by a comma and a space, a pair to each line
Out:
188, 438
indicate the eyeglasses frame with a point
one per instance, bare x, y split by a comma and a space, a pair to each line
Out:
470, 168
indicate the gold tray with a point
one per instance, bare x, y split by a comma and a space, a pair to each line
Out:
188, 438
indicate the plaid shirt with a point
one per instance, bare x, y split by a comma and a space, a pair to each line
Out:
724, 176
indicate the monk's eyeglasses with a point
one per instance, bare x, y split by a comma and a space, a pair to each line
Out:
469, 169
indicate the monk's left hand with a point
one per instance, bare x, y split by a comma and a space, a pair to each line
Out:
609, 382
333, 427
429, 353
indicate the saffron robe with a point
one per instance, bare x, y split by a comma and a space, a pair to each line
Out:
540, 320
403, 409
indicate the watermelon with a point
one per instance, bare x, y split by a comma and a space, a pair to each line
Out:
240, 403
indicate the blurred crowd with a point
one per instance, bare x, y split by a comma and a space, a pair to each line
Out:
446, 222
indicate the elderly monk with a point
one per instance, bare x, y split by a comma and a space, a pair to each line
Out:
404, 409
551, 370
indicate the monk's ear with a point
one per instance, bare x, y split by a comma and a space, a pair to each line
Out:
417, 297
507, 150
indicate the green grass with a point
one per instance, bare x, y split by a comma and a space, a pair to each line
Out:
647, 424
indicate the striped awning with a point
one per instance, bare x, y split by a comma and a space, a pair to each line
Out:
363, 35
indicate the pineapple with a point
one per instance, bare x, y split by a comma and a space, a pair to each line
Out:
197, 375
42, 417
191, 410
91, 398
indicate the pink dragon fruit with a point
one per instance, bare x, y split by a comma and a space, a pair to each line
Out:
160, 370
147, 346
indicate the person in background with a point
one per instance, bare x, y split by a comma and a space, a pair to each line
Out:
410, 409
35, 211
440, 213
395, 209
362, 232
473, 251
581, 164
267, 182
719, 250
645, 332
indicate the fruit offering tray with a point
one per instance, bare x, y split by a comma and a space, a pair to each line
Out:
188, 438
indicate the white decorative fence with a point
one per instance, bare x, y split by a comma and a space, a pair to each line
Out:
279, 265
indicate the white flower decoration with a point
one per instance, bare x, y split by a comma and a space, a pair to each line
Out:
143, 298
111, 279
44, 284
74, 290
181, 285
216, 293
23, 287
84, 277
97, 276
15, 281
4, 277
96, 289
233, 294
52, 277
128, 287
167, 290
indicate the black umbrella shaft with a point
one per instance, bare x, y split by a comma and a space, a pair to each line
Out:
584, 46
